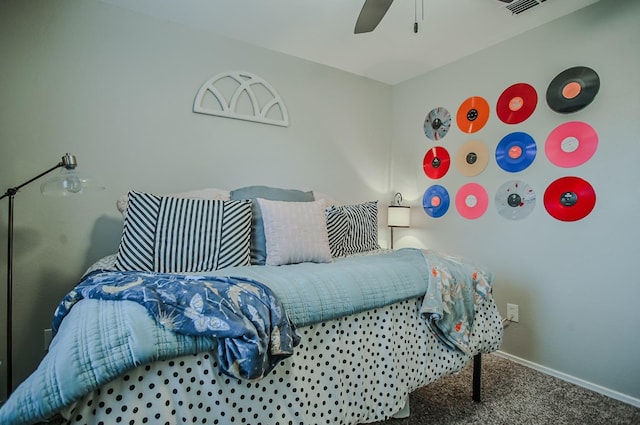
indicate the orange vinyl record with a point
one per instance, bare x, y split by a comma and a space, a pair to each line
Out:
569, 199
516, 103
473, 114
436, 162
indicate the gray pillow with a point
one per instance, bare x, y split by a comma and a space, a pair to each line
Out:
258, 241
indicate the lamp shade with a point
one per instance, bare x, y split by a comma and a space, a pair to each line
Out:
399, 216
66, 182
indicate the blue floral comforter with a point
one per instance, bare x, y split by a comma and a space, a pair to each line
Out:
251, 326
456, 287
170, 316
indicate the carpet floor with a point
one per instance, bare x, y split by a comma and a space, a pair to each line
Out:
513, 394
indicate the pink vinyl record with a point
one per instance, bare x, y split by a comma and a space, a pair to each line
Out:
472, 201
571, 144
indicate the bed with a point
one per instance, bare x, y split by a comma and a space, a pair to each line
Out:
288, 312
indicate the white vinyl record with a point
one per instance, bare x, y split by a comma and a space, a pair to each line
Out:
515, 200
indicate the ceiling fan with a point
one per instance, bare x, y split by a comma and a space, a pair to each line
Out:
371, 14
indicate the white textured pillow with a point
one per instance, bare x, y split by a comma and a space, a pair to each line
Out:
295, 232
215, 194
329, 200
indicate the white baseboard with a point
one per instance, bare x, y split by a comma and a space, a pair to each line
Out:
572, 379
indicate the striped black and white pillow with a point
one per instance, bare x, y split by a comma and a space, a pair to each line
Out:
352, 228
172, 235
337, 228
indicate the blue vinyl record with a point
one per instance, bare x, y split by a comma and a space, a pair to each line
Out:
516, 151
435, 201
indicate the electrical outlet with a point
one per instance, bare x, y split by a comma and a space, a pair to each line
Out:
513, 314
48, 334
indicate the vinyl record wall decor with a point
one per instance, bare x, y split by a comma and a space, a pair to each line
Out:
436, 162
472, 201
472, 158
516, 103
435, 201
573, 89
472, 114
437, 123
516, 151
569, 145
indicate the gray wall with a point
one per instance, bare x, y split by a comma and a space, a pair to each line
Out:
116, 89
576, 283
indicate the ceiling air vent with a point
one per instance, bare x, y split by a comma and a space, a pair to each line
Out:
518, 6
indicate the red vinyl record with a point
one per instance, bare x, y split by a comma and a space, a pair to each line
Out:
517, 103
436, 162
472, 201
473, 114
571, 144
569, 199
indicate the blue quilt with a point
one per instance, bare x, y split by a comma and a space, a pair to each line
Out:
102, 332
317, 292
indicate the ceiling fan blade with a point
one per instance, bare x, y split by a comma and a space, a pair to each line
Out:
371, 14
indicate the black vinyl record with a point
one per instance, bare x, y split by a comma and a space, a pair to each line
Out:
573, 89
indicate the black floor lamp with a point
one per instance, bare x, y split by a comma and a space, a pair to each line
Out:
68, 182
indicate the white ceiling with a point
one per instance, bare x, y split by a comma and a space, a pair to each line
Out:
322, 30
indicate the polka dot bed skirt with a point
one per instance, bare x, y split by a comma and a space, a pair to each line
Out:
352, 370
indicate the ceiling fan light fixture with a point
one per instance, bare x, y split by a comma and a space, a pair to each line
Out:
415, 10
371, 14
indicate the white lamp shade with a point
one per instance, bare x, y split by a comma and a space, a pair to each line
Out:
67, 182
399, 216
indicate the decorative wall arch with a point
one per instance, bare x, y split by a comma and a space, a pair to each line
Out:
226, 94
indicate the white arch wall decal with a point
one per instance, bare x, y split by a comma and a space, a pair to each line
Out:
267, 109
